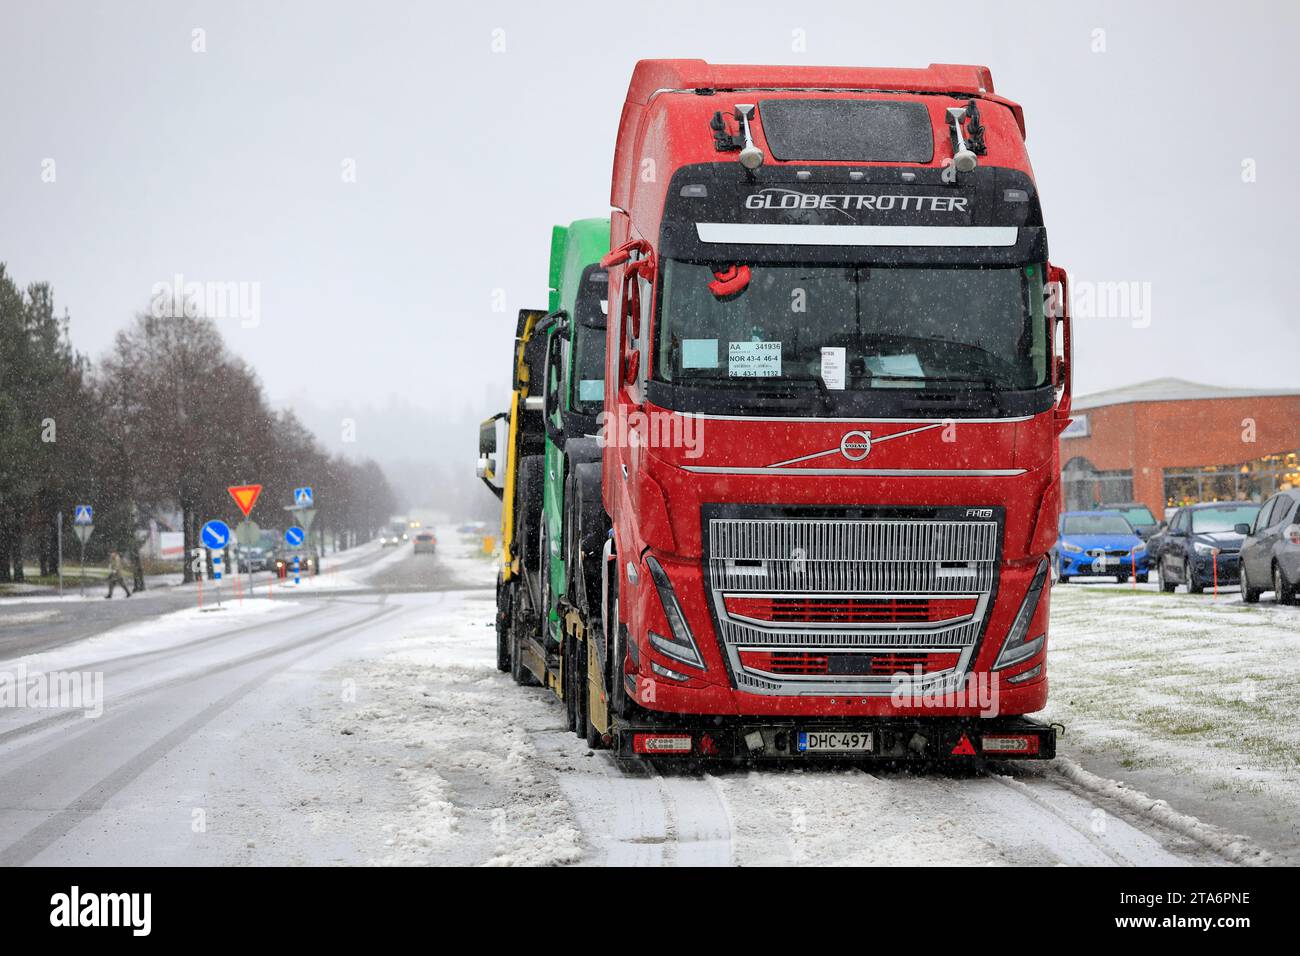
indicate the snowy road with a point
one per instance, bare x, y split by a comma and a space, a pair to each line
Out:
365, 722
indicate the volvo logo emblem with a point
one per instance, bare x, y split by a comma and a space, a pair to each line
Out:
855, 445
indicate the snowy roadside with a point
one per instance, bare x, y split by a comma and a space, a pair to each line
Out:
452, 737
1185, 697
462, 556
435, 717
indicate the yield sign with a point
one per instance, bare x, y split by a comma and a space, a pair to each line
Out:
244, 496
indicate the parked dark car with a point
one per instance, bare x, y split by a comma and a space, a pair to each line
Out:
1201, 546
1270, 553
1138, 515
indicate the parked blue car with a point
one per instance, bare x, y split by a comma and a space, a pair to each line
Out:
1098, 544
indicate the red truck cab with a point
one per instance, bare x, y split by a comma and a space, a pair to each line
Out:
838, 364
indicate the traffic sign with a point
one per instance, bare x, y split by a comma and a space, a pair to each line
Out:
245, 496
215, 534
83, 514
294, 537
247, 533
303, 497
82, 531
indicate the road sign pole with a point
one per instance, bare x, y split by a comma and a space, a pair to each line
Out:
83, 569
59, 537
296, 578
216, 575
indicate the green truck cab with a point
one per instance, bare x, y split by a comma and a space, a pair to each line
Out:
574, 397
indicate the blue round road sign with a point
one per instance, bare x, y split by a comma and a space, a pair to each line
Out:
215, 534
294, 536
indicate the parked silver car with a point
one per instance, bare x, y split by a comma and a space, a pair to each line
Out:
1270, 555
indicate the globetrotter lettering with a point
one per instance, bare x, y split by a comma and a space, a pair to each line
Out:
888, 202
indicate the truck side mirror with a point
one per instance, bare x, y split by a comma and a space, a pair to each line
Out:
494, 452
631, 367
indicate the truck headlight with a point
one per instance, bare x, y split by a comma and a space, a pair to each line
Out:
680, 644
1017, 647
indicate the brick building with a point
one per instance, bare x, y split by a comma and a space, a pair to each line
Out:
1170, 442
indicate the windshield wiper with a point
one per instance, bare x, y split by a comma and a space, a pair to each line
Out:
823, 392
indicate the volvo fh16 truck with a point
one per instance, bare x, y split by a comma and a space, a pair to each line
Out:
838, 362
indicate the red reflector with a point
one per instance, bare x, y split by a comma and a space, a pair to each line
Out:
963, 748
661, 743
1010, 743
708, 747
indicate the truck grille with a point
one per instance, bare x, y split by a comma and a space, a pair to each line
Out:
823, 605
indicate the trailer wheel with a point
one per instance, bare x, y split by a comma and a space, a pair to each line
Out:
546, 598
521, 674
503, 626
594, 739
618, 700
569, 662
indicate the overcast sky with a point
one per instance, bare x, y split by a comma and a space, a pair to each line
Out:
228, 165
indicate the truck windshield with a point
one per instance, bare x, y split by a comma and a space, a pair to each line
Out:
590, 310
852, 327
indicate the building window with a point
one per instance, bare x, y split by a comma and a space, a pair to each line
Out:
1085, 487
1254, 480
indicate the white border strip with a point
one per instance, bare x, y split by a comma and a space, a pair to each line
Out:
779, 234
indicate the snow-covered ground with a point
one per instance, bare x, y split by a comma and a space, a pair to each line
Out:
1186, 695
365, 725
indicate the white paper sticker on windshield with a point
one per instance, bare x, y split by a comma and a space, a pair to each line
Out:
754, 359
896, 366
591, 389
699, 353
833, 366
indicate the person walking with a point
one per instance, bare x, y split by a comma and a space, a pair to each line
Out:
115, 575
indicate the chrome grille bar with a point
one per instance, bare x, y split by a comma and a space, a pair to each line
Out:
872, 556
